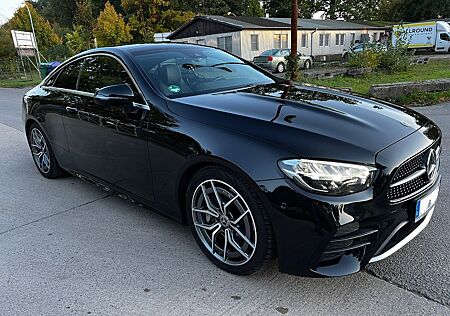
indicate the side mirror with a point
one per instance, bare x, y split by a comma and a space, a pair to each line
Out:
116, 95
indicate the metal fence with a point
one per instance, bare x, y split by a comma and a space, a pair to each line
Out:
17, 69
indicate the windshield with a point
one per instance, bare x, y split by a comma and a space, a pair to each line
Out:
197, 70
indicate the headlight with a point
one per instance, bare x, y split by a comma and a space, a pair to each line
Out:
327, 177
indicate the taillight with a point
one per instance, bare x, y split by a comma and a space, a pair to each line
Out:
270, 58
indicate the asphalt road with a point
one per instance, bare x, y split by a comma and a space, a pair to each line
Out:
66, 247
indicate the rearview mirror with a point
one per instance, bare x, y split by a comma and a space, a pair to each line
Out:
118, 95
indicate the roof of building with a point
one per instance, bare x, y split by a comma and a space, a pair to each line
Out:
326, 24
249, 22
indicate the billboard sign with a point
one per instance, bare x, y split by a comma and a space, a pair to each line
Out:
24, 42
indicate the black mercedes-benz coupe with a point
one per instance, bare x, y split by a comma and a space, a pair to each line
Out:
257, 166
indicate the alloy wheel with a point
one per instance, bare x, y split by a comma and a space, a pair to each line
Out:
280, 67
224, 222
40, 151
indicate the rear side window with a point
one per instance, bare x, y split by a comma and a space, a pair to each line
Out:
102, 71
68, 77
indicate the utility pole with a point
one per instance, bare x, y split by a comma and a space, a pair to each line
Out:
294, 26
35, 39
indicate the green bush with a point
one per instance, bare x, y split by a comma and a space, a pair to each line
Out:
391, 59
394, 60
369, 58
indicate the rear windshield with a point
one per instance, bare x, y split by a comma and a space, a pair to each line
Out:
184, 71
270, 52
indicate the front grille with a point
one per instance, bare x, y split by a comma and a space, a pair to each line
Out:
411, 166
406, 189
411, 177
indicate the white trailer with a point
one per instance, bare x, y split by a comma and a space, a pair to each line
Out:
424, 35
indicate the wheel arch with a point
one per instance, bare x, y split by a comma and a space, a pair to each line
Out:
192, 167
30, 120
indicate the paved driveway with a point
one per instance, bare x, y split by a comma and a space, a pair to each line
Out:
67, 247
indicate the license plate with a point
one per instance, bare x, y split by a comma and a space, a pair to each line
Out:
425, 204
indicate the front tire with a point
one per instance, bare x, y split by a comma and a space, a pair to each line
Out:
229, 221
42, 153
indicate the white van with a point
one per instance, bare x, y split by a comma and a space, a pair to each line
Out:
424, 35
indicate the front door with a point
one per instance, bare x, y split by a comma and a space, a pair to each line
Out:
443, 42
109, 142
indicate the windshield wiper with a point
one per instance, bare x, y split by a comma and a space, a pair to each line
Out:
193, 66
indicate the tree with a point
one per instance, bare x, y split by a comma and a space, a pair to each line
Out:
282, 8
413, 10
146, 17
58, 11
45, 35
254, 8
6, 44
84, 16
111, 28
76, 40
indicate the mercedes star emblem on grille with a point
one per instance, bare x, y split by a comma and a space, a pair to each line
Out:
431, 165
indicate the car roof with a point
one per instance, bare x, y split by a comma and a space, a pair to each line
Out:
136, 48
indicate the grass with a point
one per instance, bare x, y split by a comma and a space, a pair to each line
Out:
434, 70
18, 83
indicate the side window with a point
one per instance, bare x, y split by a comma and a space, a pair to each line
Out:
68, 77
444, 37
102, 71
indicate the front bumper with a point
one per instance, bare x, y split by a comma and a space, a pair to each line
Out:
334, 236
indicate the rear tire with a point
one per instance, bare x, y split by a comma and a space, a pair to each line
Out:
280, 67
307, 65
42, 153
229, 220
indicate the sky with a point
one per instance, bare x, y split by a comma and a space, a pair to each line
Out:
7, 8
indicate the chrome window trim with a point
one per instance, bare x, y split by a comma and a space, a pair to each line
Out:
83, 93
76, 92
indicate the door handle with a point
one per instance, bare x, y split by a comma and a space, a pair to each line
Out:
71, 109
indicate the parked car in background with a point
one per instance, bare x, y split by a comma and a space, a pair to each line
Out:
361, 47
275, 60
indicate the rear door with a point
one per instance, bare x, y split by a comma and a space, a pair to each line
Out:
109, 142
59, 95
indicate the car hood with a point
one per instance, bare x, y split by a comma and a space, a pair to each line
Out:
308, 121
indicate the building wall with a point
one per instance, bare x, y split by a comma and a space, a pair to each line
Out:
211, 40
266, 41
241, 41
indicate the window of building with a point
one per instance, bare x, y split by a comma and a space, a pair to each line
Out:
352, 38
340, 40
225, 43
324, 40
280, 41
304, 41
254, 42
365, 38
